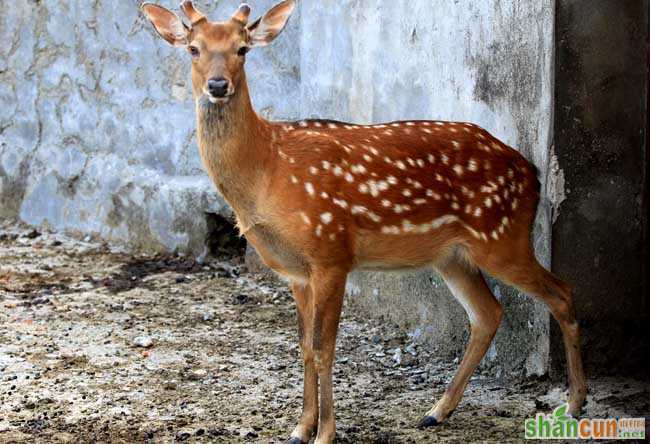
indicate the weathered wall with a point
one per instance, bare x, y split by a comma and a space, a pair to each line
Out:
488, 62
97, 121
601, 93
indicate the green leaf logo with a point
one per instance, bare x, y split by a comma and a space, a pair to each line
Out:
560, 413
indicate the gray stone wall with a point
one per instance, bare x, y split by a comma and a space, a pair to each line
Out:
97, 121
97, 126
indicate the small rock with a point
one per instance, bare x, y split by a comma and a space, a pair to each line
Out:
241, 299
397, 356
143, 341
209, 316
277, 367
169, 385
88, 238
409, 361
32, 234
200, 259
182, 436
376, 339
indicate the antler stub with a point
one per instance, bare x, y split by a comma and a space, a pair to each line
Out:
192, 14
242, 13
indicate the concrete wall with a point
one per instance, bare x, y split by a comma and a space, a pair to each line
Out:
97, 129
97, 121
601, 127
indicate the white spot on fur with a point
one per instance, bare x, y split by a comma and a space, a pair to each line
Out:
310, 188
340, 202
349, 177
358, 169
326, 218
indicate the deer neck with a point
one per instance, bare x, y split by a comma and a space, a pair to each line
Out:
235, 146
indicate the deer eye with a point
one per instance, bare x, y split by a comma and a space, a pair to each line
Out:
194, 51
242, 51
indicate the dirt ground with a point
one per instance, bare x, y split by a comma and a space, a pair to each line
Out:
99, 346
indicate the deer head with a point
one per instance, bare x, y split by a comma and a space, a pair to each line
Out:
218, 49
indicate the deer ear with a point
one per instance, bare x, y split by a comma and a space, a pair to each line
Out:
167, 24
265, 29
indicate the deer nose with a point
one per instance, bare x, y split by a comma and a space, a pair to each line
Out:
218, 87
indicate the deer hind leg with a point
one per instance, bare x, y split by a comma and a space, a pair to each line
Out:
484, 311
309, 419
530, 277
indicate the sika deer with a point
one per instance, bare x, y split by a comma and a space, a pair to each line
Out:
319, 199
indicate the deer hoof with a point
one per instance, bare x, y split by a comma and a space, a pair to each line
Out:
295, 440
428, 421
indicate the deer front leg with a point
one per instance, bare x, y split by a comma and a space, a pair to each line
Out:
309, 418
328, 287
